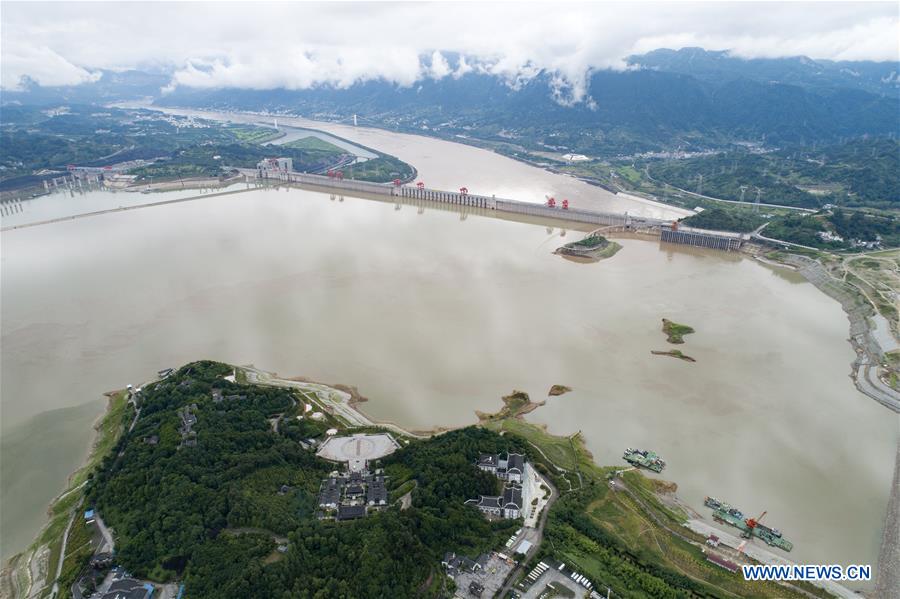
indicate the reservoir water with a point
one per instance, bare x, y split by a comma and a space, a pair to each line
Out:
432, 316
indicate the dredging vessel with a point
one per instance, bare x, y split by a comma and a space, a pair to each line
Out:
644, 459
749, 527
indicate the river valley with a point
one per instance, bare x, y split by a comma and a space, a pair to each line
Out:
433, 316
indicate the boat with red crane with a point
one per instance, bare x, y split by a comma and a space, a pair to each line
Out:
749, 527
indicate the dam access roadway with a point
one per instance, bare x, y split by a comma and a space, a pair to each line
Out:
444, 164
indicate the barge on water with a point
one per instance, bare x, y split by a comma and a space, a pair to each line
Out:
749, 527
644, 459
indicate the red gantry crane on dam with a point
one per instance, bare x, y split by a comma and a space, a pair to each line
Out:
551, 203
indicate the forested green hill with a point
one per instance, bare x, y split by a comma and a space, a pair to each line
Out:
174, 509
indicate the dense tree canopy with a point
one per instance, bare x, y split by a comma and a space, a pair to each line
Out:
209, 513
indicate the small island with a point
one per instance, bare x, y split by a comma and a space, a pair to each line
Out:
674, 353
515, 405
592, 247
558, 390
675, 332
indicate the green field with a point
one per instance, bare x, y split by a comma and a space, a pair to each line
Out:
254, 135
314, 143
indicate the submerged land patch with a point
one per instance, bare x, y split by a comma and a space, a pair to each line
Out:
592, 247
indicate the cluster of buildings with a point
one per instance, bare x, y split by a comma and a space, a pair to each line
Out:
455, 564
354, 493
273, 167
855, 243
188, 420
119, 585
510, 469
349, 495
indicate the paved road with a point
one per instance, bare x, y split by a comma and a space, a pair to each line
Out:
535, 535
108, 545
336, 399
62, 552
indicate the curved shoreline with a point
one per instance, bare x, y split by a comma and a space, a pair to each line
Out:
33, 562
858, 310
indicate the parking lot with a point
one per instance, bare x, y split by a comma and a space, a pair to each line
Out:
563, 586
491, 578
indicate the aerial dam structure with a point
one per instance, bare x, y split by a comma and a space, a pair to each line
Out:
668, 230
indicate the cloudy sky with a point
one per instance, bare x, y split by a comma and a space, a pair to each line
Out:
259, 45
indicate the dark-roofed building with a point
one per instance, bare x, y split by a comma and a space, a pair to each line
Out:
330, 493
376, 492
512, 501
515, 467
188, 420
459, 563
508, 505
511, 467
351, 512
353, 491
489, 462
488, 505
128, 588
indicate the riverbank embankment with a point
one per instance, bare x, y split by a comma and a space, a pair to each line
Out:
869, 355
342, 400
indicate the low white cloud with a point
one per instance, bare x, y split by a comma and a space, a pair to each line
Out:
43, 66
294, 46
439, 67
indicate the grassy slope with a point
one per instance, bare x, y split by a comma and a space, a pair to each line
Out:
314, 143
